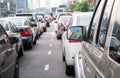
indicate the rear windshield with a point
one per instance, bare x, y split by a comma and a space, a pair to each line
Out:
17, 21
62, 19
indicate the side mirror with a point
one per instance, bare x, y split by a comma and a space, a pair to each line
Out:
76, 33
14, 40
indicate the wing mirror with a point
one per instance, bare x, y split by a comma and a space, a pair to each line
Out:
14, 40
76, 33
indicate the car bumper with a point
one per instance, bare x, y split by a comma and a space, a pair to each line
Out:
26, 40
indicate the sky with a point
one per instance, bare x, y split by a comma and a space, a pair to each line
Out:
45, 3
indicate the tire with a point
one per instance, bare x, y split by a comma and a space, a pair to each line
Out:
30, 45
16, 74
44, 29
67, 70
35, 42
63, 58
21, 51
58, 38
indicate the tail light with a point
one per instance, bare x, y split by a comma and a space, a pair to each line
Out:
73, 41
25, 33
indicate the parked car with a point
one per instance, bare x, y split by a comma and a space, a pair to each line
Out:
60, 26
34, 20
47, 21
42, 23
99, 56
26, 30
71, 47
9, 67
12, 31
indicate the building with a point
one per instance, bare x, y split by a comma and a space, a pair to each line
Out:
11, 5
21, 4
3, 8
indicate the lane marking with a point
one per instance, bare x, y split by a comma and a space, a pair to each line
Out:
50, 45
49, 52
46, 67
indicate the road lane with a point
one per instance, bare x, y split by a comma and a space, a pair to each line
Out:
43, 57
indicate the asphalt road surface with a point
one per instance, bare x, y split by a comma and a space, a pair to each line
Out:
45, 59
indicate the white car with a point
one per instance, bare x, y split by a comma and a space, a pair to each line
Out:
71, 47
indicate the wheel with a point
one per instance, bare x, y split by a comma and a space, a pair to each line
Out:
58, 37
44, 29
21, 51
30, 45
67, 70
16, 74
35, 41
63, 57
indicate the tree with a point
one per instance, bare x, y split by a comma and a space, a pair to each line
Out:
79, 6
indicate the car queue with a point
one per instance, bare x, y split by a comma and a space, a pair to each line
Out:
17, 33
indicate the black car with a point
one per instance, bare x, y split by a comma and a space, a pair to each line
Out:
12, 31
26, 30
9, 67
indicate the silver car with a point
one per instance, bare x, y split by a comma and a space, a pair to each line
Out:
99, 56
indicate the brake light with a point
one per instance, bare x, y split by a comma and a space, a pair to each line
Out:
25, 33
72, 41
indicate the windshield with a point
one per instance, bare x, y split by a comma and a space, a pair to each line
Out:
17, 21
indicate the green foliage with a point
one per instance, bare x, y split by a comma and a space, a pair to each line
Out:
79, 6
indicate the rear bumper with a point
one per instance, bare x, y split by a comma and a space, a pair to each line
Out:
27, 40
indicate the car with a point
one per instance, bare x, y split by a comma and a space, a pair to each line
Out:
34, 20
99, 56
26, 30
12, 31
42, 23
8, 56
71, 47
60, 23
47, 20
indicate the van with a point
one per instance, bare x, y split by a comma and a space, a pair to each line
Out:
99, 56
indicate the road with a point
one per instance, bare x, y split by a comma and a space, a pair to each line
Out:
45, 59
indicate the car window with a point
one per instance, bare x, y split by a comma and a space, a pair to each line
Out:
115, 39
3, 37
102, 32
95, 21
17, 21
4, 24
13, 28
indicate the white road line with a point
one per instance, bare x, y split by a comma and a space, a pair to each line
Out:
46, 67
50, 45
51, 40
49, 52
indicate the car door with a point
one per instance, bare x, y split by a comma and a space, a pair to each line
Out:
65, 41
7, 56
88, 58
